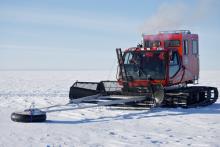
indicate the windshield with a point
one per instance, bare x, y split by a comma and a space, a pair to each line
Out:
143, 65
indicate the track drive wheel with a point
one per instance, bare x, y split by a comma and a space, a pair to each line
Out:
158, 93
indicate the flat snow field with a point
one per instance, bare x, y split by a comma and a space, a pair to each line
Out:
97, 127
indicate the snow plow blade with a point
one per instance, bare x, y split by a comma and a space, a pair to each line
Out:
83, 89
94, 92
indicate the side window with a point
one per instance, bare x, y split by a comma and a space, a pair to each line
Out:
155, 43
174, 60
174, 65
147, 44
195, 46
185, 47
127, 58
172, 43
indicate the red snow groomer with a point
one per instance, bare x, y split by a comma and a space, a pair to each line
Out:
159, 71
155, 73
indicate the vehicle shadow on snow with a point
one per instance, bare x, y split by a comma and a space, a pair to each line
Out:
156, 112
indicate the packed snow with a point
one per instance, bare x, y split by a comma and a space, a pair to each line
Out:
98, 127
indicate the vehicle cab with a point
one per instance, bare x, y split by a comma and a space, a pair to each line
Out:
169, 58
183, 54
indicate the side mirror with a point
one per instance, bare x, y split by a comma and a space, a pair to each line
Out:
139, 46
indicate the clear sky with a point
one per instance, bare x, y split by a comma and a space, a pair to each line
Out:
83, 34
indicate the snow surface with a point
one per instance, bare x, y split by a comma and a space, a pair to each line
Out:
97, 127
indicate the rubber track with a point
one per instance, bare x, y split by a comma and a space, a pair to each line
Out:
189, 97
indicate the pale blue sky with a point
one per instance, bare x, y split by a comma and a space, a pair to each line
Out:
83, 34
